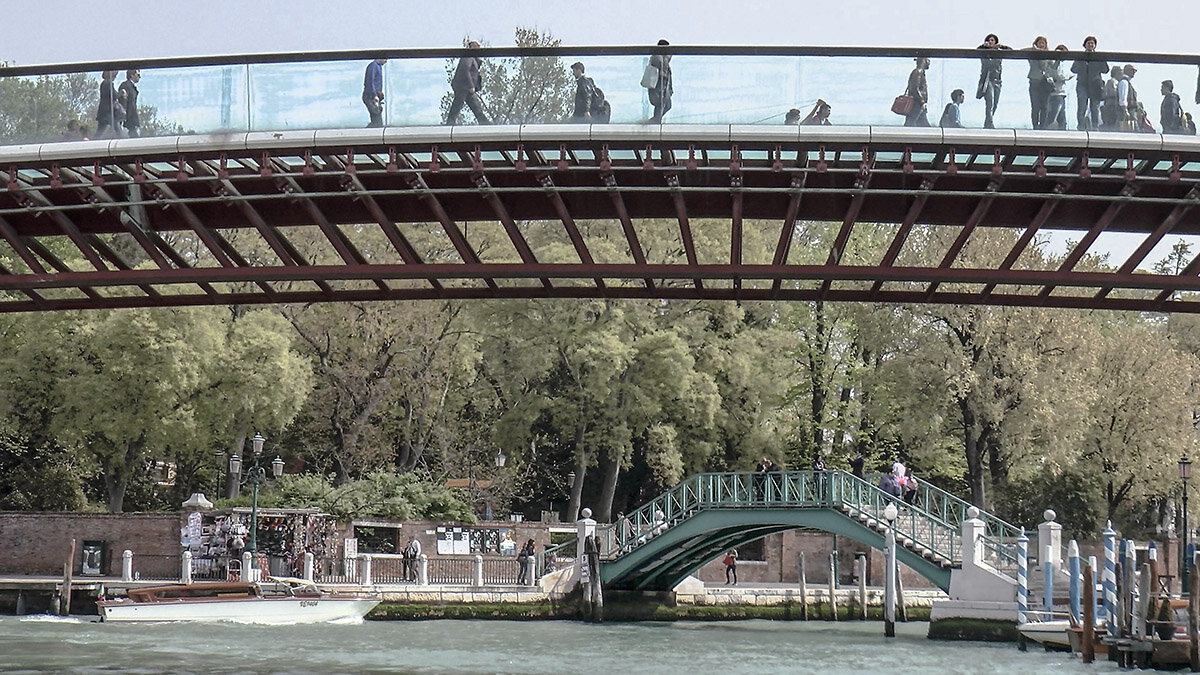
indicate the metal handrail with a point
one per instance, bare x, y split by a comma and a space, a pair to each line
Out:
922, 527
582, 50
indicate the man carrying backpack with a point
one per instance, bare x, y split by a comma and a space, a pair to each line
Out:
590, 106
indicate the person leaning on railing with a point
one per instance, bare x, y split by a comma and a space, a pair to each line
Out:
1089, 87
990, 74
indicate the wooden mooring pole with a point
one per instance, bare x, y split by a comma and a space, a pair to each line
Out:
64, 596
1194, 616
833, 587
1088, 648
803, 589
860, 564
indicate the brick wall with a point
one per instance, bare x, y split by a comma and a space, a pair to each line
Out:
37, 543
781, 553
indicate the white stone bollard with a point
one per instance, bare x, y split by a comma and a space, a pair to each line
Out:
423, 570
127, 565
478, 578
308, 566
249, 571
185, 571
364, 570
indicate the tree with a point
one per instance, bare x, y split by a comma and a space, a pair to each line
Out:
37, 109
126, 387
386, 376
520, 90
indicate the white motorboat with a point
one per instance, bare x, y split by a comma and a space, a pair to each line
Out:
1050, 633
273, 601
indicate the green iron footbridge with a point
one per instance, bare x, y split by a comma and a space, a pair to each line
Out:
657, 546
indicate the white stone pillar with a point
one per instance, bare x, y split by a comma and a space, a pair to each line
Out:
1050, 535
185, 568
364, 569
972, 532
478, 579
308, 566
423, 570
584, 527
127, 565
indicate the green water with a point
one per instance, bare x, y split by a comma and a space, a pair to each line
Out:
82, 645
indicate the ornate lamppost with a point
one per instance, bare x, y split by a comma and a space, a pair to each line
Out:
889, 574
1185, 562
255, 474
219, 493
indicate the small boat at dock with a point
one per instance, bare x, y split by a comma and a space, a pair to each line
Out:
1051, 633
276, 600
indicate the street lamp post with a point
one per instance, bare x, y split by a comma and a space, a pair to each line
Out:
219, 493
255, 475
1185, 474
889, 574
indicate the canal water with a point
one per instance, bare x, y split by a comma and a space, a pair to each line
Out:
82, 645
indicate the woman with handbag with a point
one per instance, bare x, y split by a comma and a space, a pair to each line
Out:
730, 567
658, 82
918, 90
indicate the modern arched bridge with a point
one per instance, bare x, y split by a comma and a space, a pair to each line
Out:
673, 535
263, 212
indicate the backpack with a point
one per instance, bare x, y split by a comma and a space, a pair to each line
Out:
601, 110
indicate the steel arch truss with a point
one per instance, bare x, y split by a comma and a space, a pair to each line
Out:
396, 214
681, 550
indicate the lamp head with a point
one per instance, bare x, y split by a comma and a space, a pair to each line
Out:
501, 458
277, 467
235, 464
890, 512
258, 441
1185, 468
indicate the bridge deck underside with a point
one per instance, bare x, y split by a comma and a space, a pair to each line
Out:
668, 559
490, 213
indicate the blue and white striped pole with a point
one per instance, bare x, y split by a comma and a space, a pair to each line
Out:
1110, 578
1022, 578
1073, 589
1048, 583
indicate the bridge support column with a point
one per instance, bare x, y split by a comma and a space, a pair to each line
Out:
977, 589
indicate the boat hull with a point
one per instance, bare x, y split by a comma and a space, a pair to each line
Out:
1049, 633
241, 610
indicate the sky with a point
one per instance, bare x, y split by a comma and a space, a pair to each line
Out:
56, 31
